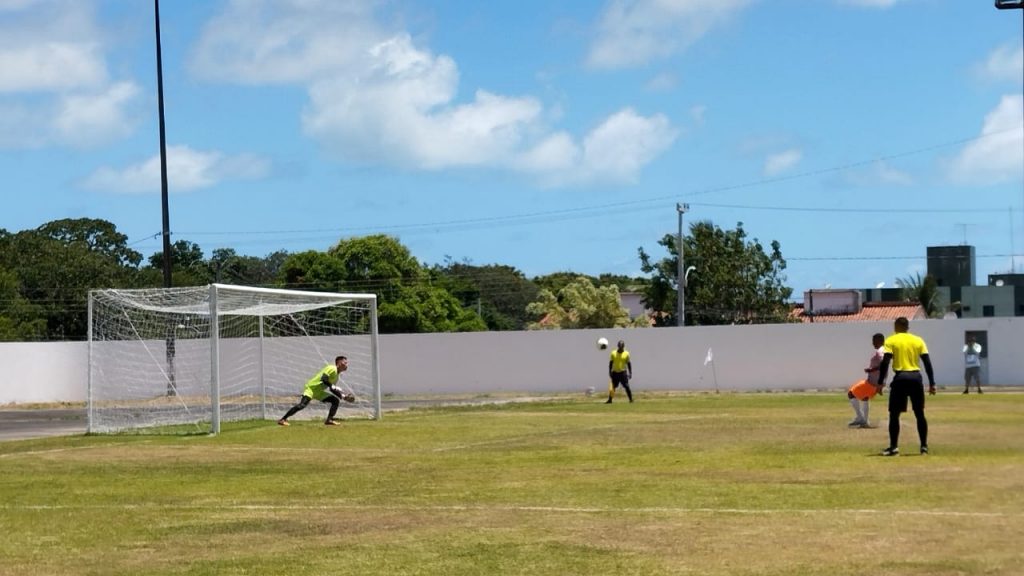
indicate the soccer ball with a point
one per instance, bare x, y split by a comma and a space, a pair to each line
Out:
602, 343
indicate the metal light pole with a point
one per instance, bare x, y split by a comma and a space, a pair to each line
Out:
166, 228
1012, 5
163, 149
680, 275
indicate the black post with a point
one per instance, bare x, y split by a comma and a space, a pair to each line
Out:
163, 150
166, 228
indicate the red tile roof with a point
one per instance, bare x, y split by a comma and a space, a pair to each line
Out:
869, 312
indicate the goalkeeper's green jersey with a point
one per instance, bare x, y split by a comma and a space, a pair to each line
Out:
315, 388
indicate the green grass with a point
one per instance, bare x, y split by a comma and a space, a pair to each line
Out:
703, 484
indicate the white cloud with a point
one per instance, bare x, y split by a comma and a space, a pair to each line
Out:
997, 155
187, 170
375, 97
85, 120
271, 42
778, 163
54, 82
1004, 63
50, 66
635, 32
618, 148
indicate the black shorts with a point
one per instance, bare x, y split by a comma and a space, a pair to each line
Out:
619, 378
906, 386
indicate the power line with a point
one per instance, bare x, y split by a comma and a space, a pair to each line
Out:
637, 205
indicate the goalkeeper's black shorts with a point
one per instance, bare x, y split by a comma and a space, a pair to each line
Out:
620, 378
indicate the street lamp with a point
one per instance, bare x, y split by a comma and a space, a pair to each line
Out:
680, 275
686, 276
1009, 4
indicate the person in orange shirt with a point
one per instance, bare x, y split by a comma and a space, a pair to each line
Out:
863, 391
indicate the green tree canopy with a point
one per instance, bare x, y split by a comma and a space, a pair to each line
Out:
579, 304
499, 293
228, 267
58, 263
734, 282
379, 264
99, 236
20, 320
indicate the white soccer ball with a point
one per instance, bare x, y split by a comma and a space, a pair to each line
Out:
602, 343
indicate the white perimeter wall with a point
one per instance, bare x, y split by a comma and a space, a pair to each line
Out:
766, 357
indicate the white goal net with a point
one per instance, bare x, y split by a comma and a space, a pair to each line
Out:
185, 359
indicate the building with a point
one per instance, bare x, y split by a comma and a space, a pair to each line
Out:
849, 305
953, 267
1004, 296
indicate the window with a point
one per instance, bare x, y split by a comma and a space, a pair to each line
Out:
988, 310
1020, 309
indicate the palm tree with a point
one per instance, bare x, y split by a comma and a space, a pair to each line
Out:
924, 291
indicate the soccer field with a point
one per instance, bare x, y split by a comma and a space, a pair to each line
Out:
737, 484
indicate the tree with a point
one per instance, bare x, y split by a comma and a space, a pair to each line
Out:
423, 308
379, 264
924, 291
499, 293
188, 266
312, 270
20, 320
556, 281
735, 280
228, 267
99, 236
58, 263
579, 304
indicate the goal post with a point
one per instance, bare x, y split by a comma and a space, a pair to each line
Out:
186, 359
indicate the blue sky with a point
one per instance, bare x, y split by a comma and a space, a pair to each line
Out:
547, 135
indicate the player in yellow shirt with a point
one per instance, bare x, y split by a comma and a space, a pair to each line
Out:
322, 387
620, 371
903, 350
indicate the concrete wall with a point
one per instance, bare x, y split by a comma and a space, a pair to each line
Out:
767, 357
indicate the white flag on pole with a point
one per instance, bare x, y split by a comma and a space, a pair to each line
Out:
709, 358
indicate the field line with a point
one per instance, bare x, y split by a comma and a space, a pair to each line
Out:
513, 508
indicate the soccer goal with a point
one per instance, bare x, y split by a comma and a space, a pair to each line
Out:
186, 359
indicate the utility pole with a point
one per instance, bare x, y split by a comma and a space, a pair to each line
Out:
680, 273
163, 150
1013, 5
166, 227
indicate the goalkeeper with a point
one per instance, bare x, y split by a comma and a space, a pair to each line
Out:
322, 387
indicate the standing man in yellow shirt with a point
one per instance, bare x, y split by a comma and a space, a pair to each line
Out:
620, 371
903, 350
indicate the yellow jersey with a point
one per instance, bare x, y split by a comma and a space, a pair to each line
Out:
619, 360
315, 388
905, 348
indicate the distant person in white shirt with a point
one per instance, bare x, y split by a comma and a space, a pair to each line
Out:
972, 364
